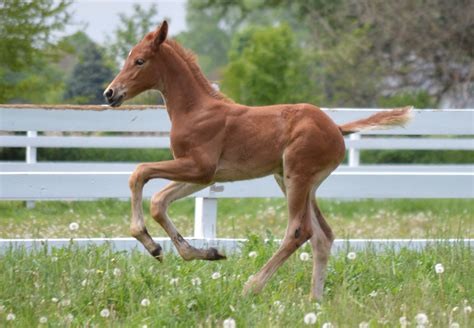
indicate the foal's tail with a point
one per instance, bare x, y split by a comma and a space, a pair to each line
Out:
382, 120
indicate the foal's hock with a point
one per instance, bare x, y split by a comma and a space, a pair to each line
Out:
214, 139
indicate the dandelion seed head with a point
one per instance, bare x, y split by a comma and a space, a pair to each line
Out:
304, 256
65, 302
43, 320
145, 302
73, 226
11, 316
229, 323
351, 256
196, 281
327, 325
69, 317
174, 281
253, 254
439, 268
421, 319
105, 313
467, 309
117, 272
310, 318
216, 275
454, 325
364, 324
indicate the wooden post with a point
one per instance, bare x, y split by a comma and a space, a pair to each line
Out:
205, 214
354, 154
31, 159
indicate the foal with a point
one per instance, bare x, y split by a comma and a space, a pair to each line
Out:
214, 139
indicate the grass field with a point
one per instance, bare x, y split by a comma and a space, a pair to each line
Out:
237, 217
97, 287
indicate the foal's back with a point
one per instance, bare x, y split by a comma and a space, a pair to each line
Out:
257, 139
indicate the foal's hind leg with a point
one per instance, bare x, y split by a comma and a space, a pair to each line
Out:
158, 208
299, 230
321, 242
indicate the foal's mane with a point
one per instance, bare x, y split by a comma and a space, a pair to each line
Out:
190, 59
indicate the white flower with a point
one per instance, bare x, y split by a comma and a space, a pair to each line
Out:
216, 275
10, 317
105, 313
327, 325
145, 302
196, 281
364, 324
467, 309
310, 318
253, 254
73, 226
454, 325
439, 268
373, 293
403, 322
43, 319
351, 255
421, 319
54, 300
117, 272
304, 256
229, 323
174, 281
192, 304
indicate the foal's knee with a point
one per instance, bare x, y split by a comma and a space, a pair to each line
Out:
137, 177
158, 206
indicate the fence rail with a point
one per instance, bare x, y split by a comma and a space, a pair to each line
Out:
227, 245
429, 129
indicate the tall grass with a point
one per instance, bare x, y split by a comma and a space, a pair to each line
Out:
72, 287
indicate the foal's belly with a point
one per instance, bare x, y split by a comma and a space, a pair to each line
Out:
245, 171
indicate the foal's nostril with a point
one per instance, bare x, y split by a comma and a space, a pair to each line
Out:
109, 93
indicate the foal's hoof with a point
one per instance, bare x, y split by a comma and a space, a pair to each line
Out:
157, 253
214, 255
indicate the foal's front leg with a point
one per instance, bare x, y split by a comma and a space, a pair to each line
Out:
183, 169
158, 208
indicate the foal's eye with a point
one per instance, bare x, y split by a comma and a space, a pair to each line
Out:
139, 62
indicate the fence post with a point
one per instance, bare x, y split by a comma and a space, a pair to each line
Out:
354, 154
205, 214
31, 159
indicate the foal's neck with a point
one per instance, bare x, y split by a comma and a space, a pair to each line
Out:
183, 88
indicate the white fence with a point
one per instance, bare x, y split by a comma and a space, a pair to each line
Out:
32, 180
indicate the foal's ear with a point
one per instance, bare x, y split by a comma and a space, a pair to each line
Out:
161, 34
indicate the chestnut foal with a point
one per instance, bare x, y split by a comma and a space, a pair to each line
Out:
214, 139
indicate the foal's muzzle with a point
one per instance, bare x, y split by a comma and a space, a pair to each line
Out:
113, 97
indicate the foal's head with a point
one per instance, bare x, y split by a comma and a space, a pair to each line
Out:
139, 73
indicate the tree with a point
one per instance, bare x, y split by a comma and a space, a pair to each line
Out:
412, 46
132, 29
89, 77
266, 67
206, 37
26, 46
